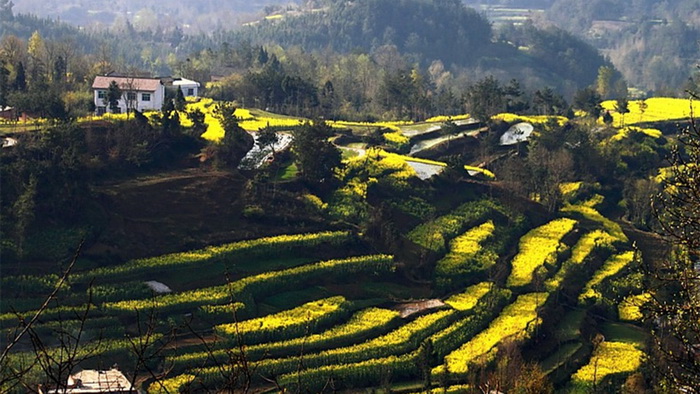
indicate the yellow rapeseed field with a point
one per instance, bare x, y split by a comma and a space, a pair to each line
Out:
569, 189
630, 309
626, 132
534, 119
657, 109
538, 247
445, 118
611, 267
579, 252
586, 210
609, 358
304, 314
517, 321
468, 300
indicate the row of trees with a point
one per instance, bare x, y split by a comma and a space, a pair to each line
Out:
387, 77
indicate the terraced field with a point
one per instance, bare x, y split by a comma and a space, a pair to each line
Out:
321, 311
303, 320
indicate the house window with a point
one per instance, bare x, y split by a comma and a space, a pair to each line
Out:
101, 110
131, 96
117, 110
145, 97
190, 92
101, 94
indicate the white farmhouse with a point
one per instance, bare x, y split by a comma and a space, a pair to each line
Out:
189, 87
141, 94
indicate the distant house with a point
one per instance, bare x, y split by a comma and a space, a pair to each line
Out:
189, 88
8, 113
94, 382
138, 93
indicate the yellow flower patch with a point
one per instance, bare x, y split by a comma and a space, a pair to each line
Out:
385, 125
467, 301
630, 309
396, 139
517, 321
171, 385
658, 109
304, 314
569, 189
445, 118
534, 119
579, 252
537, 247
628, 131
463, 248
611, 267
608, 359
590, 213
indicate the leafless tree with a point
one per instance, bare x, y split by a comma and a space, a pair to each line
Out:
675, 284
53, 358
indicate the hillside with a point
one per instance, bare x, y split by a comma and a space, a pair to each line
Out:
652, 43
397, 270
405, 196
427, 31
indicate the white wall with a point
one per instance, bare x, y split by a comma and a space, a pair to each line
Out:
156, 102
186, 87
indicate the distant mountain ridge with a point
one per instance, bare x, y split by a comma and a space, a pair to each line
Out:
432, 30
204, 15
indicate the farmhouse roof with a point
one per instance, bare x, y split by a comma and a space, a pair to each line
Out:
185, 82
128, 83
92, 381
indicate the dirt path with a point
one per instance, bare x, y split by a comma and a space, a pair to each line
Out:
411, 308
653, 247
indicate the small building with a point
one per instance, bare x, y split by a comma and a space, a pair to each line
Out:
189, 87
94, 382
138, 93
8, 113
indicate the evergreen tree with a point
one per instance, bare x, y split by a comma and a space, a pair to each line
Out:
236, 141
114, 94
20, 83
546, 102
24, 211
180, 102
328, 100
4, 84
588, 100
622, 108
486, 98
6, 14
267, 138
59, 70
607, 118
515, 97
316, 157
262, 56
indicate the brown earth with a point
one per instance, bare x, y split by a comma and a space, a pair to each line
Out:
178, 211
654, 248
